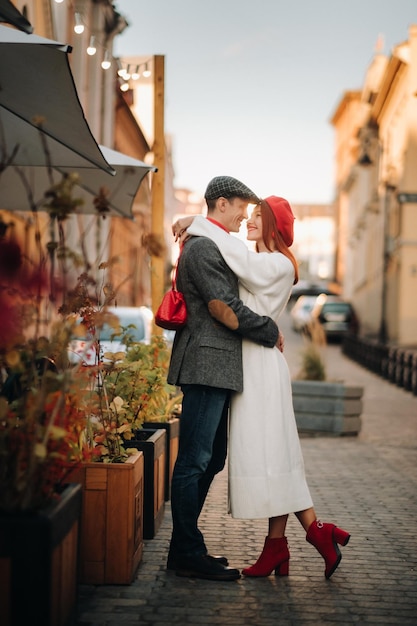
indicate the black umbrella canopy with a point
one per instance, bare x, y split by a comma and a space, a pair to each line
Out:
120, 190
10, 15
41, 118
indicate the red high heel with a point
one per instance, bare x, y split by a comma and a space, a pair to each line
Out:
275, 555
325, 537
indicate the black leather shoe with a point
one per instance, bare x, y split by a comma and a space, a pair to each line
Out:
172, 562
206, 567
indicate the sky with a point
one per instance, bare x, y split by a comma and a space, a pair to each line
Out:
251, 87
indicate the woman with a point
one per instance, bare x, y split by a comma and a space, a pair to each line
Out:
266, 469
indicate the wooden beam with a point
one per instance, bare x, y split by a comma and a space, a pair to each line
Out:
158, 184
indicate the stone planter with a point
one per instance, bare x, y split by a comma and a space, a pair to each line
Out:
152, 442
111, 538
172, 428
38, 563
326, 407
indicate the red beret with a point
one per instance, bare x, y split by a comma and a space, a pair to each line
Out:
284, 217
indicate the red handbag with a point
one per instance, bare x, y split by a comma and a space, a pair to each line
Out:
172, 312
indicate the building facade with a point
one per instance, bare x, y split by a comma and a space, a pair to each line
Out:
376, 195
90, 27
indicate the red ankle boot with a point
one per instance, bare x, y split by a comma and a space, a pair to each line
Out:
275, 555
325, 537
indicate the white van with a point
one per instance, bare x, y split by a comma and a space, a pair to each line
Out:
140, 318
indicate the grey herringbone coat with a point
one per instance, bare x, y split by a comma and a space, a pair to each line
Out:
208, 351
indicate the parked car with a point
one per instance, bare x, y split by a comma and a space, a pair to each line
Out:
137, 321
308, 288
300, 314
336, 316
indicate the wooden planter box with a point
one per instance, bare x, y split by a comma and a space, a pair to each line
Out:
111, 537
172, 428
326, 407
38, 563
152, 442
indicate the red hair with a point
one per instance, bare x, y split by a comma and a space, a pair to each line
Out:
273, 239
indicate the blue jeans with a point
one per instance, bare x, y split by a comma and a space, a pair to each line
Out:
201, 455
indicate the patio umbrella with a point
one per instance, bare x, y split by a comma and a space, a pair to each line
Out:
10, 15
39, 106
121, 188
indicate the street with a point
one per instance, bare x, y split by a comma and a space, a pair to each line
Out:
365, 484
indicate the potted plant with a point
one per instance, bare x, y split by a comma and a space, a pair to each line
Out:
111, 533
152, 443
171, 424
322, 406
111, 537
124, 388
164, 414
152, 402
39, 444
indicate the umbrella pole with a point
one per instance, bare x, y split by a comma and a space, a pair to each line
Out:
158, 187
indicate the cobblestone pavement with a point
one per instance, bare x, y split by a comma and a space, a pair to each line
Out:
365, 484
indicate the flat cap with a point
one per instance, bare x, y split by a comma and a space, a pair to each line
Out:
229, 187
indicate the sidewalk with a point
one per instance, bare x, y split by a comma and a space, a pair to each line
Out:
365, 484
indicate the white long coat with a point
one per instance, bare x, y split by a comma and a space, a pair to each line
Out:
266, 468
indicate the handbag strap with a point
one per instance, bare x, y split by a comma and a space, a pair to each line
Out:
175, 270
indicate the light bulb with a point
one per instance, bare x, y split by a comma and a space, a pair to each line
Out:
79, 26
59, 1
106, 62
146, 72
120, 68
136, 74
91, 50
124, 87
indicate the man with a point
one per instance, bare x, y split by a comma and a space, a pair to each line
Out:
206, 362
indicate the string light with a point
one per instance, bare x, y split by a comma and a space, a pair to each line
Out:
135, 73
131, 73
120, 68
127, 73
91, 50
106, 62
79, 26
